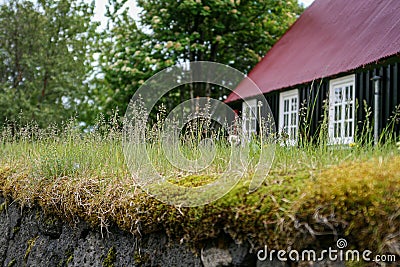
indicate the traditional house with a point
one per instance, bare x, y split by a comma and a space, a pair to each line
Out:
341, 53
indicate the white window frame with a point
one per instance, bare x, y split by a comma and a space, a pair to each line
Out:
249, 117
342, 110
289, 116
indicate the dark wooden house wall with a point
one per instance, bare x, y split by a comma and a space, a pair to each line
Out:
389, 94
273, 102
314, 98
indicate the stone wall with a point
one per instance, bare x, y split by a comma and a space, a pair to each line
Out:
30, 238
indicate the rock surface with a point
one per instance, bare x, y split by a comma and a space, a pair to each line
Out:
30, 238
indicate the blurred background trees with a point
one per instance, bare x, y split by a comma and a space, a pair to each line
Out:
54, 64
45, 59
232, 32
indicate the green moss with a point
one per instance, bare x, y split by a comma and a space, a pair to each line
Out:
70, 259
31, 243
306, 186
360, 198
16, 229
110, 258
355, 264
3, 206
69, 256
194, 180
50, 220
140, 259
12, 263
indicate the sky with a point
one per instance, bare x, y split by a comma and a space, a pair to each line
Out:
306, 2
101, 9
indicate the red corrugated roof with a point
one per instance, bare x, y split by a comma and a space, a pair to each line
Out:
330, 37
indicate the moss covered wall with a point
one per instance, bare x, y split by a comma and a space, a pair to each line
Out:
30, 238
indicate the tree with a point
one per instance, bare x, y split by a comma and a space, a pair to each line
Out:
45, 50
123, 62
233, 32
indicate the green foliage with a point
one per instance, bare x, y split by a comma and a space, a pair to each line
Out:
68, 257
3, 206
125, 62
30, 244
110, 258
12, 263
46, 59
233, 32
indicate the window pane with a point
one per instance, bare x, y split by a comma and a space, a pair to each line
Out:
342, 109
351, 111
351, 129
351, 92
253, 112
246, 112
289, 103
338, 113
253, 125
335, 133
294, 104
338, 95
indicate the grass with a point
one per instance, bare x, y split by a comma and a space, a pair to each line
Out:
313, 194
